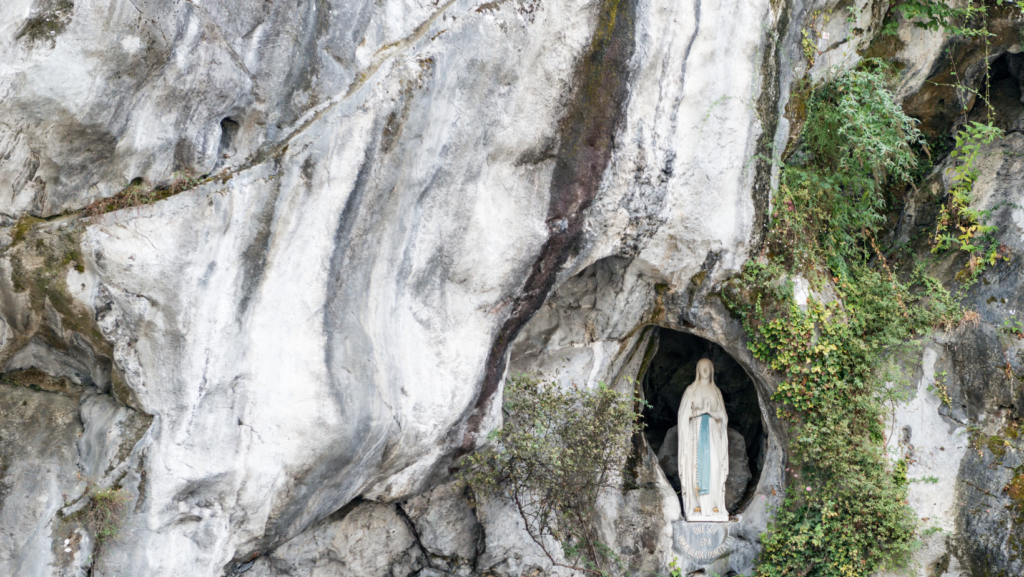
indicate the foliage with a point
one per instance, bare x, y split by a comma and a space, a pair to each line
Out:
1015, 488
938, 15
958, 225
106, 513
854, 125
809, 47
845, 512
1012, 326
558, 450
860, 142
942, 392
958, 19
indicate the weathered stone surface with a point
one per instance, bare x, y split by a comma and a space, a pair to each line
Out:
668, 454
958, 477
641, 517
369, 539
38, 475
990, 524
958, 431
508, 549
445, 523
739, 470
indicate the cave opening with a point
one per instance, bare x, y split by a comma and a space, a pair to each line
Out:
670, 372
1001, 93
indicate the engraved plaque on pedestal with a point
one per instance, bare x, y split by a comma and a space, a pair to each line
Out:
701, 542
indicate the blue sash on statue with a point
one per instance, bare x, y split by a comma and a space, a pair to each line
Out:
704, 457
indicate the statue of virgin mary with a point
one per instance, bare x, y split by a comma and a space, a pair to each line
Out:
703, 448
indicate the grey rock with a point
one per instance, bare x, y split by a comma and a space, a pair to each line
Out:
445, 523
963, 383
369, 539
111, 432
739, 470
407, 195
989, 523
38, 476
508, 549
668, 454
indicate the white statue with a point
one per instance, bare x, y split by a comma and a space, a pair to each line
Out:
703, 448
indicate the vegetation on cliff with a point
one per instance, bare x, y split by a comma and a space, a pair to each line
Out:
558, 449
845, 512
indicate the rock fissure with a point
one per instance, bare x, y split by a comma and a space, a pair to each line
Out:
412, 528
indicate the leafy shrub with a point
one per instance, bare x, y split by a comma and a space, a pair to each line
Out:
956, 18
558, 450
859, 143
856, 128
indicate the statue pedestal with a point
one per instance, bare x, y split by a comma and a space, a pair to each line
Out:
712, 518
702, 542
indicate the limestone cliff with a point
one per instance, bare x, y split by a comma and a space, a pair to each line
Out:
364, 214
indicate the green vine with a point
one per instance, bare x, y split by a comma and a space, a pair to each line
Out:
955, 19
958, 225
845, 513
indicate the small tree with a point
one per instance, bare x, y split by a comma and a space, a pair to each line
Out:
559, 448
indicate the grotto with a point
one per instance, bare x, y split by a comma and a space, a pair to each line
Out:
669, 373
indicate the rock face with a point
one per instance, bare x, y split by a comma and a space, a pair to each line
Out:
39, 431
397, 202
668, 454
960, 433
739, 470
371, 539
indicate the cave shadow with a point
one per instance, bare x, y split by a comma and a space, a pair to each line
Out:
1000, 93
671, 370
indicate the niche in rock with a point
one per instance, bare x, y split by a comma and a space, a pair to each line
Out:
672, 369
228, 131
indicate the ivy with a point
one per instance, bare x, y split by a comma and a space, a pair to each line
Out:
845, 512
